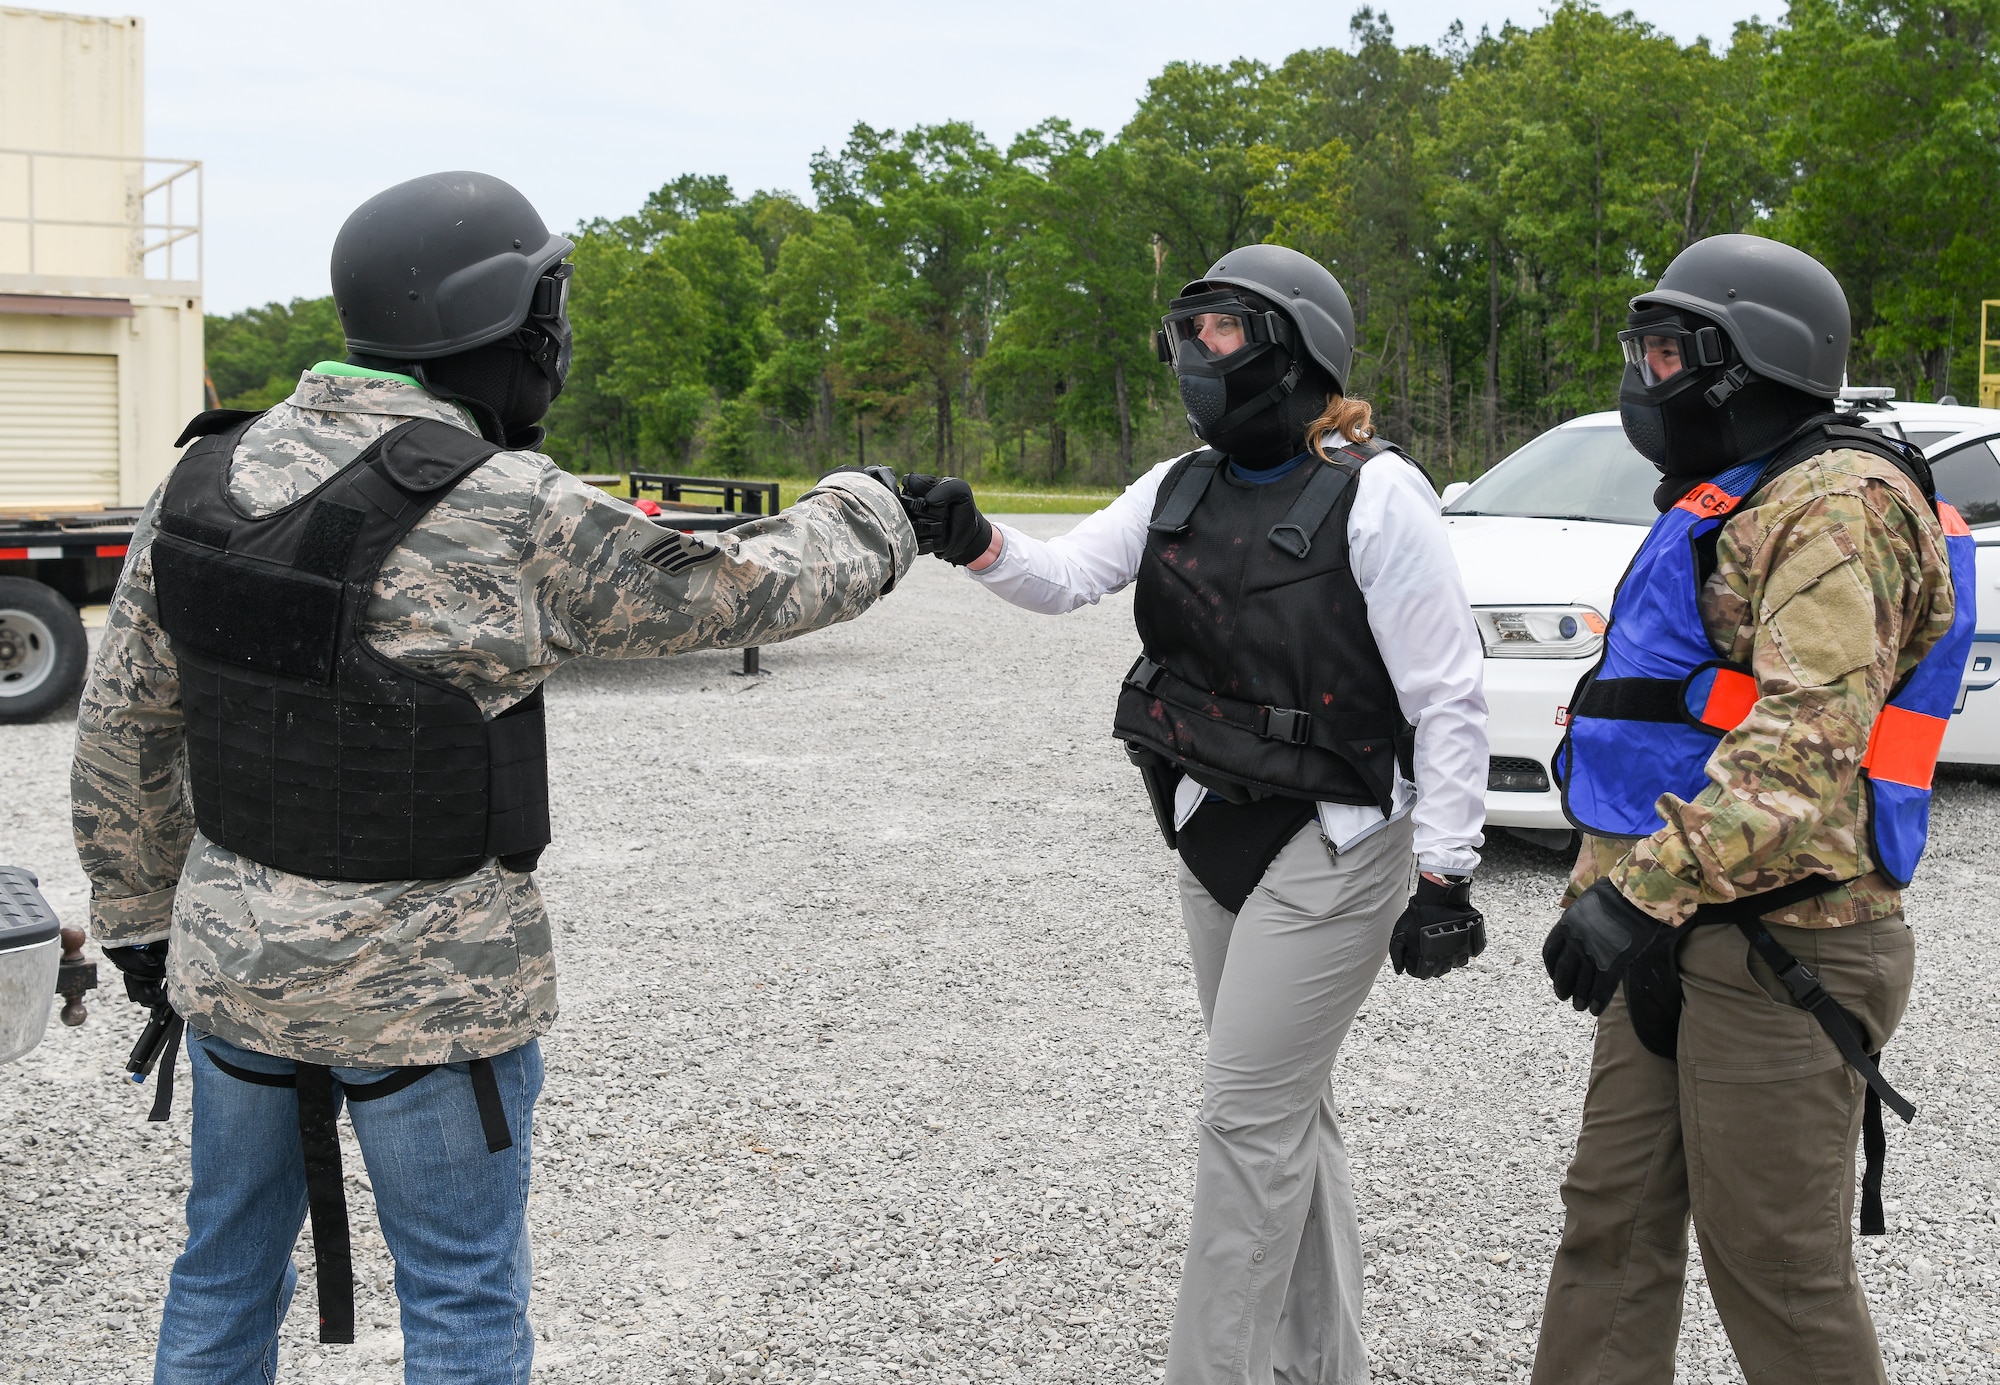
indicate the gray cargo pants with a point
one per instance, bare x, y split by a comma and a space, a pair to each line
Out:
1271, 1287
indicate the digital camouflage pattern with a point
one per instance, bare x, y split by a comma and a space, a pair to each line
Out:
1831, 586
519, 569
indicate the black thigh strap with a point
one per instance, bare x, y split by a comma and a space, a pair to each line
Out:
1847, 1036
319, 1146
492, 1115
1874, 1149
326, 1200
170, 1052
1840, 1026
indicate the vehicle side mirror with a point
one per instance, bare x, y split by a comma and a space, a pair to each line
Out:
1454, 491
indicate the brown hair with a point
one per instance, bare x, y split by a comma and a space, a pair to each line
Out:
1353, 419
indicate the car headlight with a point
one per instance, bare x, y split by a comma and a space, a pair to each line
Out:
1539, 632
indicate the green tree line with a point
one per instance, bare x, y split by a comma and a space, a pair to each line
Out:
1490, 204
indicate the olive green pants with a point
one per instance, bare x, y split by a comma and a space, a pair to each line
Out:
1753, 1130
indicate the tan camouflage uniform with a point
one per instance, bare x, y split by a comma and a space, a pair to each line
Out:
1831, 587
519, 569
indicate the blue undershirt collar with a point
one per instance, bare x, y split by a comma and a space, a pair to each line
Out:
1268, 474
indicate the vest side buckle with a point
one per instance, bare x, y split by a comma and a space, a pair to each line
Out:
1284, 724
1145, 674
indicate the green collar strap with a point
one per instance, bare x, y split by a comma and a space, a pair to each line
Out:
362, 372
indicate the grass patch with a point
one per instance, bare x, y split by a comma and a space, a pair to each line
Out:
996, 500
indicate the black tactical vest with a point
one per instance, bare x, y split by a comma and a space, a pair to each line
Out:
1260, 675
308, 751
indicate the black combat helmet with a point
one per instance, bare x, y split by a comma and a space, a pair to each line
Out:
453, 278
441, 264
1300, 287
1744, 340
1296, 331
1783, 310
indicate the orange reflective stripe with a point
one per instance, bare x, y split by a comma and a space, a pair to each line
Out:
1903, 747
1730, 699
1708, 500
1953, 522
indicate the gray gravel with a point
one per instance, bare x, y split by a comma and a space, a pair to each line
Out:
880, 1056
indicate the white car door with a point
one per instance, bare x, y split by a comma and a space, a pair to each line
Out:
1967, 469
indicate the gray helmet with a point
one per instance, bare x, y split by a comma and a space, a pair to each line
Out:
444, 263
1783, 309
1301, 288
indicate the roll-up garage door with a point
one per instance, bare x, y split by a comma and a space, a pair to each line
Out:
58, 429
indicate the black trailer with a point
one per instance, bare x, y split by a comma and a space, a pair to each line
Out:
51, 564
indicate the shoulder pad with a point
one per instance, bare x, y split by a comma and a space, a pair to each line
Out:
213, 421
1835, 432
1381, 445
432, 455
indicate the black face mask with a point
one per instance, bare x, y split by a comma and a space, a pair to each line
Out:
1711, 415
506, 385
1277, 433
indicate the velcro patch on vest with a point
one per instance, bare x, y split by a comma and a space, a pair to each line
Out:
677, 552
194, 530
1821, 610
328, 539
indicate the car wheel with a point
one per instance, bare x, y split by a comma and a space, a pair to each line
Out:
43, 650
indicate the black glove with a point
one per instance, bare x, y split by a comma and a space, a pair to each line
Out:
947, 521
883, 474
1439, 932
1592, 946
144, 966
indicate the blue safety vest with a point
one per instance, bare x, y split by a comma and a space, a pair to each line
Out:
1644, 722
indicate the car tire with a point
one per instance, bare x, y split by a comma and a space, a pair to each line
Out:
43, 650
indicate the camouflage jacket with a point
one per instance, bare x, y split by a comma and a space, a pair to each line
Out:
519, 569
1831, 587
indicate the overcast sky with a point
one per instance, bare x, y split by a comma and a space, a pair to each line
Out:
301, 111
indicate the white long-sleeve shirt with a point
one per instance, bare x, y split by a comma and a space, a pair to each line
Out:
1417, 611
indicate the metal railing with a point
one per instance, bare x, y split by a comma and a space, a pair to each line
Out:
152, 214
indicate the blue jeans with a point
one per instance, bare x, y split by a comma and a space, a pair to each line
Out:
454, 1215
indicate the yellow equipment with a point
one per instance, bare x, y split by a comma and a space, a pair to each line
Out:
1989, 354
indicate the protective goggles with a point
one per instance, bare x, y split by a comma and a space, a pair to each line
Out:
1230, 322
551, 301
1665, 350
545, 336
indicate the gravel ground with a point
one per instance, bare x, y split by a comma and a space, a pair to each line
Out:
880, 1056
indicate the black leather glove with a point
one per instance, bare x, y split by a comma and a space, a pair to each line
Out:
144, 966
1592, 946
883, 474
1439, 932
947, 522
